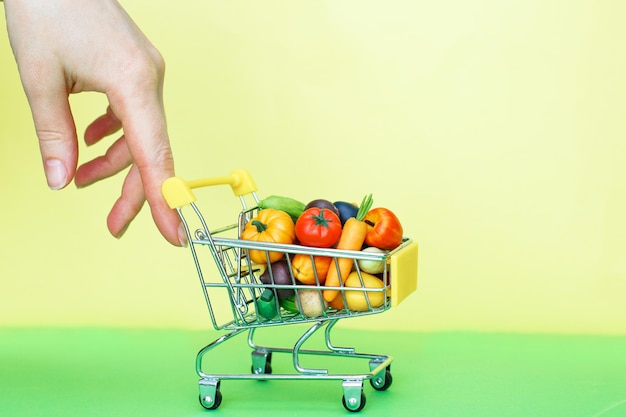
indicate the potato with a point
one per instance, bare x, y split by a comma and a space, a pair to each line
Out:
312, 303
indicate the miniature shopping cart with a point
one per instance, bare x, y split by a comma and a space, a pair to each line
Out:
237, 298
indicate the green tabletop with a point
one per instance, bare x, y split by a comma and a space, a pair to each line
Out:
136, 372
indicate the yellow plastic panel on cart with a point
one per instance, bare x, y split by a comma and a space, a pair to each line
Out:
403, 273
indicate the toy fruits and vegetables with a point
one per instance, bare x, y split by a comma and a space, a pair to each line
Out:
372, 266
346, 210
321, 203
267, 306
290, 304
305, 268
278, 274
357, 300
289, 205
337, 303
269, 226
384, 230
311, 303
318, 227
352, 238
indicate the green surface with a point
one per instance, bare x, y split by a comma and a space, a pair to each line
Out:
114, 372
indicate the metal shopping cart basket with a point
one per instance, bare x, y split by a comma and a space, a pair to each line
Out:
237, 297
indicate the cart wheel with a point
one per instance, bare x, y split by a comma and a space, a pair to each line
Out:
259, 371
210, 395
354, 404
261, 363
382, 383
211, 405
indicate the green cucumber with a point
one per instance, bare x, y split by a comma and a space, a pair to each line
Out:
289, 205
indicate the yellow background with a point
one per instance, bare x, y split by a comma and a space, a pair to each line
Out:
494, 129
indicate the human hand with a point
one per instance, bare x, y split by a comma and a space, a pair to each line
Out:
69, 46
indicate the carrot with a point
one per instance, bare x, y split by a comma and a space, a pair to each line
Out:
352, 238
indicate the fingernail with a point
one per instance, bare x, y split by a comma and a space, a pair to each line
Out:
56, 174
121, 232
182, 235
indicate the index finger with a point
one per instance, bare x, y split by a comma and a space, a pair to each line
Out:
140, 109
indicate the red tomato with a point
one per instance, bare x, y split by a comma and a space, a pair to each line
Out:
317, 227
384, 229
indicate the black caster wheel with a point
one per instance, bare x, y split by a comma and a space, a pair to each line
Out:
261, 363
354, 404
211, 404
260, 371
382, 383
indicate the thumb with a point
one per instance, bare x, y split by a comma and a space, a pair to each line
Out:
56, 131
46, 86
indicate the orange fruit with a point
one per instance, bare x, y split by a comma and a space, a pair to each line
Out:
305, 267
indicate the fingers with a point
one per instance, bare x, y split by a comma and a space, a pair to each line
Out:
140, 108
47, 90
128, 205
104, 125
113, 161
130, 202
56, 131
148, 144
136, 106
64, 47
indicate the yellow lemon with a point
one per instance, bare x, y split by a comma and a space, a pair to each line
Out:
357, 300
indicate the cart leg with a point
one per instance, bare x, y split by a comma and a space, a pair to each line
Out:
208, 348
353, 397
298, 345
330, 346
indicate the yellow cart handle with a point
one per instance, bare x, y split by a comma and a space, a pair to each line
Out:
177, 191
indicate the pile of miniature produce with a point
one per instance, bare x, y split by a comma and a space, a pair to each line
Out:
321, 224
